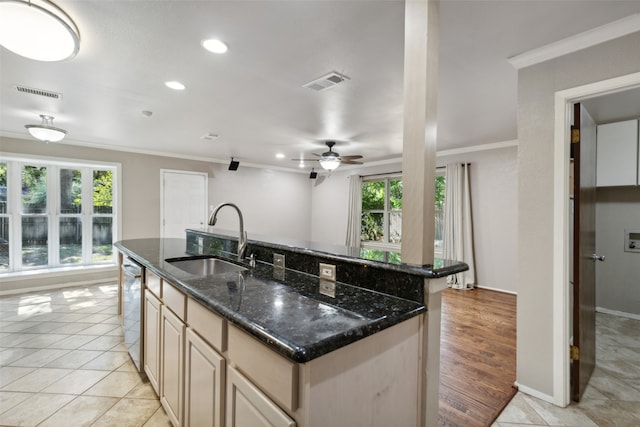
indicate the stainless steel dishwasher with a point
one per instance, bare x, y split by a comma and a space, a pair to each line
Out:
132, 306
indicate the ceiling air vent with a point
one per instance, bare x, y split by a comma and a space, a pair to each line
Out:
326, 81
39, 92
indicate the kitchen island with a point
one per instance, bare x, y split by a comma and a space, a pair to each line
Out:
284, 347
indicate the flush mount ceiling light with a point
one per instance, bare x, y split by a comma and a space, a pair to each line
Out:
215, 46
38, 29
45, 131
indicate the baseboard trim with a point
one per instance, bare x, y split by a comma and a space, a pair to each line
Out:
498, 290
618, 313
537, 394
56, 286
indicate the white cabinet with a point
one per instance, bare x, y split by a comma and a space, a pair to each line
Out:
152, 339
247, 406
172, 365
204, 383
617, 154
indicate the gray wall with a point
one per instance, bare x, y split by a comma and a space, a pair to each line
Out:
618, 278
494, 210
536, 88
273, 202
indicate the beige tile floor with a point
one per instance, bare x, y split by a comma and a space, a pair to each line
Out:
62, 363
612, 397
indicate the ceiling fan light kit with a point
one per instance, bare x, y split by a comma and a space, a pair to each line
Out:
38, 29
45, 131
330, 160
330, 163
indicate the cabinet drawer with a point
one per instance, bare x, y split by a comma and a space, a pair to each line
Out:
154, 284
174, 299
207, 324
274, 374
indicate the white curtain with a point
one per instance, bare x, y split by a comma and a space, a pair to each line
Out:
355, 211
458, 228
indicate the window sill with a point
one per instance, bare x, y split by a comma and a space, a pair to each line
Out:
59, 271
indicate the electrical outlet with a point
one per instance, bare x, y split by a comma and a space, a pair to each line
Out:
327, 288
328, 272
278, 260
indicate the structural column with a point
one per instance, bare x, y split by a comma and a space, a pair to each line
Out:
418, 175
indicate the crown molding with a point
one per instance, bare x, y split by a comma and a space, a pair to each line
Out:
601, 34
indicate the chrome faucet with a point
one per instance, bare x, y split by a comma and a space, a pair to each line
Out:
242, 241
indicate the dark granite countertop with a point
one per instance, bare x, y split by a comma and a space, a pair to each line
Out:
365, 256
282, 308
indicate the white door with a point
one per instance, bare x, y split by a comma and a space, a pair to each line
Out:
183, 199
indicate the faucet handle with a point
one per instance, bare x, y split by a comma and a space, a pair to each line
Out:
252, 260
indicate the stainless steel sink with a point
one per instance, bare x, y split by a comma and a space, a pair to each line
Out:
205, 266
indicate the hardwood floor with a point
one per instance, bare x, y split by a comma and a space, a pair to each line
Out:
477, 356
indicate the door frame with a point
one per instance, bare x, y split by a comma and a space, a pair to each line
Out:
561, 263
176, 171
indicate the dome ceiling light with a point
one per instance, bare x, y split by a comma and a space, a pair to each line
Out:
38, 29
45, 131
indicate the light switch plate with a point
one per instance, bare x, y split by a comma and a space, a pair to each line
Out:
328, 272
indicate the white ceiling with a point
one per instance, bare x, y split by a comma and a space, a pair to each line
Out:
252, 96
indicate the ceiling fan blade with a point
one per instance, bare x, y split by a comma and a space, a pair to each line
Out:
317, 155
351, 162
305, 160
357, 156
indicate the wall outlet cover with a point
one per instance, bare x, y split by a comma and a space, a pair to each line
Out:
327, 272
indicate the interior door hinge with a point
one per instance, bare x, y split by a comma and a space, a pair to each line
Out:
575, 352
575, 135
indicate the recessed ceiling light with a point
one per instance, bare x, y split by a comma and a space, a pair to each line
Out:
175, 85
215, 46
279, 156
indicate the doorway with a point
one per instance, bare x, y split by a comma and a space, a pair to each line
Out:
561, 283
183, 201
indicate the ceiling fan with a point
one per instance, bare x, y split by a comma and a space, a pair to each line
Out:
330, 160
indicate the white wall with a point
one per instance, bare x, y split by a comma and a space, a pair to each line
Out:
618, 278
494, 204
273, 203
536, 317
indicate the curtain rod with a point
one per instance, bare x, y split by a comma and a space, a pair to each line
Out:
380, 174
397, 172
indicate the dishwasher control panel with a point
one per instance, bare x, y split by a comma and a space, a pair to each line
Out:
632, 241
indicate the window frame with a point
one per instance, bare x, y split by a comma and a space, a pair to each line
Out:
386, 211
386, 245
53, 213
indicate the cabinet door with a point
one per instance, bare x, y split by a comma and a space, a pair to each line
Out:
247, 406
152, 339
617, 154
204, 383
171, 365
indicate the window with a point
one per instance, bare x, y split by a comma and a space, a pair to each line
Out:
381, 221
55, 215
